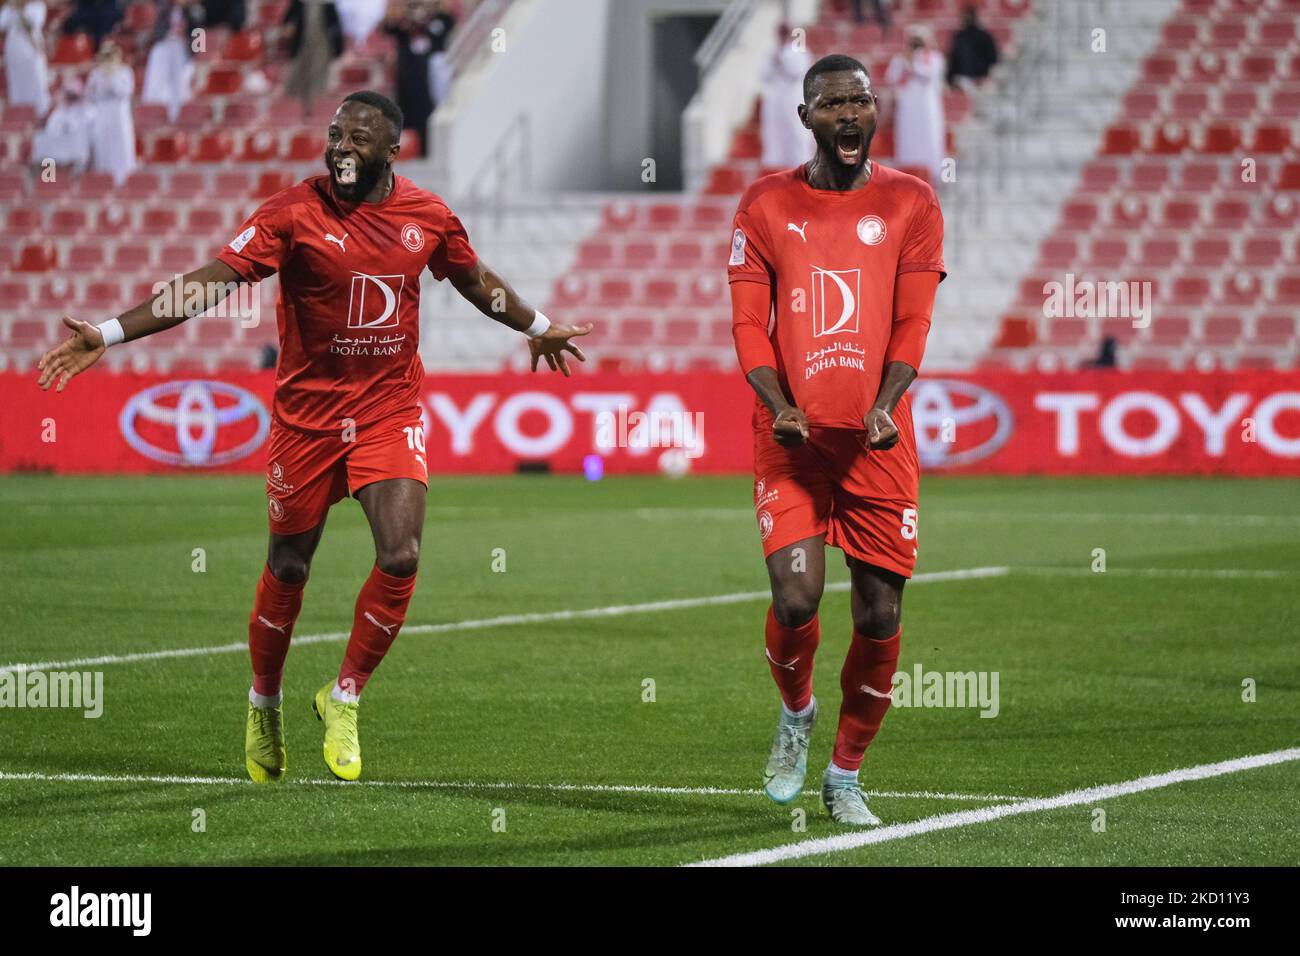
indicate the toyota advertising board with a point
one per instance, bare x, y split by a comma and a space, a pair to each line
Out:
1068, 423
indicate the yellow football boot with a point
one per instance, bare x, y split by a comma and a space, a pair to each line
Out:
342, 745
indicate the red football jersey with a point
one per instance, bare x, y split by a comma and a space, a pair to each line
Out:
831, 258
349, 306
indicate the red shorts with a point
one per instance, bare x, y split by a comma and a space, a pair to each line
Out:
306, 474
863, 501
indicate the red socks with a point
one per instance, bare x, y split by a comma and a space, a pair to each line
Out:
270, 626
381, 609
790, 653
867, 684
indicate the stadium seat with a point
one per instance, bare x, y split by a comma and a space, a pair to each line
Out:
259, 147
271, 182
1261, 251
22, 222
214, 147
37, 257
1147, 176
131, 257
1121, 141
222, 81
113, 220
1274, 329
245, 46
1221, 330
66, 221
305, 146
185, 184
141, 184
157, 221
169, 147
85, 258
72, 49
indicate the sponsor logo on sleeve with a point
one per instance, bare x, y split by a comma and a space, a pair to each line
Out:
737, 249
237, 244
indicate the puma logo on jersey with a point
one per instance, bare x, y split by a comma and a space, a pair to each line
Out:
329, 237
791, 227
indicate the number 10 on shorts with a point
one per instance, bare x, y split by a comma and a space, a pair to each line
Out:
415, 442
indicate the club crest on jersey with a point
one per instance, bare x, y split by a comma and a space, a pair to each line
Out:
412, 237
737, 249
835, 300
871, 230
373, 302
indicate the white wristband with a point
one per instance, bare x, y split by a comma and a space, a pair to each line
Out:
111, 331
540, 324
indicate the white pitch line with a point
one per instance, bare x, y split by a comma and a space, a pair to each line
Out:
505, 620
1157, 572
470, 785
965, 818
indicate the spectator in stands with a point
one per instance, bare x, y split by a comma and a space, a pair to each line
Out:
439, 66
421, 30
65, 137
785, 141
359, 18
230, 13
917, 78
95, 17
1107, 356
112, 132
169, 73
972, 54
26, 71
879, 7
315, 41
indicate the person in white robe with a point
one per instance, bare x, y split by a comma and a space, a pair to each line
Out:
785, 141
112, 135
169, 71
65, 137
359, 18
917, 78
26, 70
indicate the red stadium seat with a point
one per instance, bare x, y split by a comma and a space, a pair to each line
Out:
1146, 176
244, 46
1121, 141
1180, 214
214, 147
1198, 176
614, 292
185, 184
140, 17
1059, 252
14, 295
85, 258
1171, 139
102, 296
150, 116
168, 148
158, 221
1099, 177
1239, 102
664, 215
131, 257
307, 146
1261, 251
1179, 34
619, 216
636, 331
72, 49
685, 254
1227, 34
1221, 330
1220, 138
57, 293
1079, 215
140, 185
1191, 290
1257, 68
1282, 213
67, 221
659, 292
1271, 138
37, 257
638, 253
205, 220
270, 183
1289, 178
726, 181
682, 330
1158, 252
195, 115
1189, 104
114, 219
1210, 251
1275, 329
1159, 69
1170, 329
1286, 289
1108, 253
242, 110
222, 81
93, 185
260, 147
1230, 214
595, 254
1240, 289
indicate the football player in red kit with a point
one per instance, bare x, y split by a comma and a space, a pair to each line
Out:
350, 247
846, 255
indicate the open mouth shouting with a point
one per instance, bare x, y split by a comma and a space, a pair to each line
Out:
345, 171
850, 145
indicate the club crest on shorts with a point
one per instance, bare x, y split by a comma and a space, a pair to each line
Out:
871, 230
412, 237
764, 524
275, 508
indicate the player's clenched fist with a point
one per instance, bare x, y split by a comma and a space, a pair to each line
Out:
76, 354
790, 428
882, 433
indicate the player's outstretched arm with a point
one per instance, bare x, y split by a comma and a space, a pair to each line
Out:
493, 296
162, 311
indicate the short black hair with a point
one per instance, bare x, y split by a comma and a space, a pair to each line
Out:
834, 63
392, 112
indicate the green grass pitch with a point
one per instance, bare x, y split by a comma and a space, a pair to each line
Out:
1104, 677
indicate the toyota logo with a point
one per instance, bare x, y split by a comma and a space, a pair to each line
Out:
957, 423
194, 424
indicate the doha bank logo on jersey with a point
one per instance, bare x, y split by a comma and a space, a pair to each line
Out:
194, 423
373, 301
835, 300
